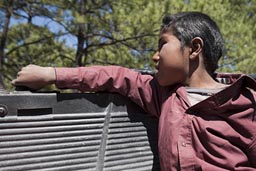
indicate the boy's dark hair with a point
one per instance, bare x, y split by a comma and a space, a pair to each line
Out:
188, 25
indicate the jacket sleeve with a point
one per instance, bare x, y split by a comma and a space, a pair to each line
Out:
251, 151
142, 89
252, 154
252, 147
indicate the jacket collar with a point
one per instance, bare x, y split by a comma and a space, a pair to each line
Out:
238, 82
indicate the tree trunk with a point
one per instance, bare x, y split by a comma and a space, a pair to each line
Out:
8, 14
81, 35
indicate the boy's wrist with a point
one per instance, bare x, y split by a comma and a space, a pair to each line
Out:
51, 75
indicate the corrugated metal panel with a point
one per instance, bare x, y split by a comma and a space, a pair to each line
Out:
127, 145
75, 132
53, 141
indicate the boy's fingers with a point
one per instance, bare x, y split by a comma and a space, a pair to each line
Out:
15, 82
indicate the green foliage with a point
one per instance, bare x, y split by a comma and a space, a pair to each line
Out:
30, 44
240, 33
116, 32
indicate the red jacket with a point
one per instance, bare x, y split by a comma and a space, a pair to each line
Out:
216, 134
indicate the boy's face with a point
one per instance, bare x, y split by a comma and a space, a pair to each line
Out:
172, 62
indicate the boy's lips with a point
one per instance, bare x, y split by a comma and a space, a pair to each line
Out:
157, 66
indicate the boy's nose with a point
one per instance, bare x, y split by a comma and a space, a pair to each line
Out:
156, 57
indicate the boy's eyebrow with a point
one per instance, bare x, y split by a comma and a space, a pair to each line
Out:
161, 39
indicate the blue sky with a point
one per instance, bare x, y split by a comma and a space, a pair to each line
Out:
52, 26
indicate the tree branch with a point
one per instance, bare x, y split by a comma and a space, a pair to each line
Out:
26, 44
115, 41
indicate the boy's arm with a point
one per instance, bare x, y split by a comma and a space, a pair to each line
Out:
142, 89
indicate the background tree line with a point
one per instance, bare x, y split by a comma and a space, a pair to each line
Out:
121, 32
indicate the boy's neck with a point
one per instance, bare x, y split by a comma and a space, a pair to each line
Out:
202, 79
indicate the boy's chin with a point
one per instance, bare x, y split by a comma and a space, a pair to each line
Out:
164, 83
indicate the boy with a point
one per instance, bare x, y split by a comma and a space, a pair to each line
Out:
203, 124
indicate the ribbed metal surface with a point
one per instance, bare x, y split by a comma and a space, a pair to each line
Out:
127, 145
51, 142
72, 132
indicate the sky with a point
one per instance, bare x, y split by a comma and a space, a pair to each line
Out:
52, 26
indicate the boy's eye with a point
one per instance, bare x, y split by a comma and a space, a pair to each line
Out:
160, 44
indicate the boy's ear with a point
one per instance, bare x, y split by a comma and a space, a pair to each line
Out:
196, 47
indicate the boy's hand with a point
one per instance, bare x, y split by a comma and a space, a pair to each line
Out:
35, 77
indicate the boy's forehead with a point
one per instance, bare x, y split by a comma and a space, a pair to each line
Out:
162, 36
165, 35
